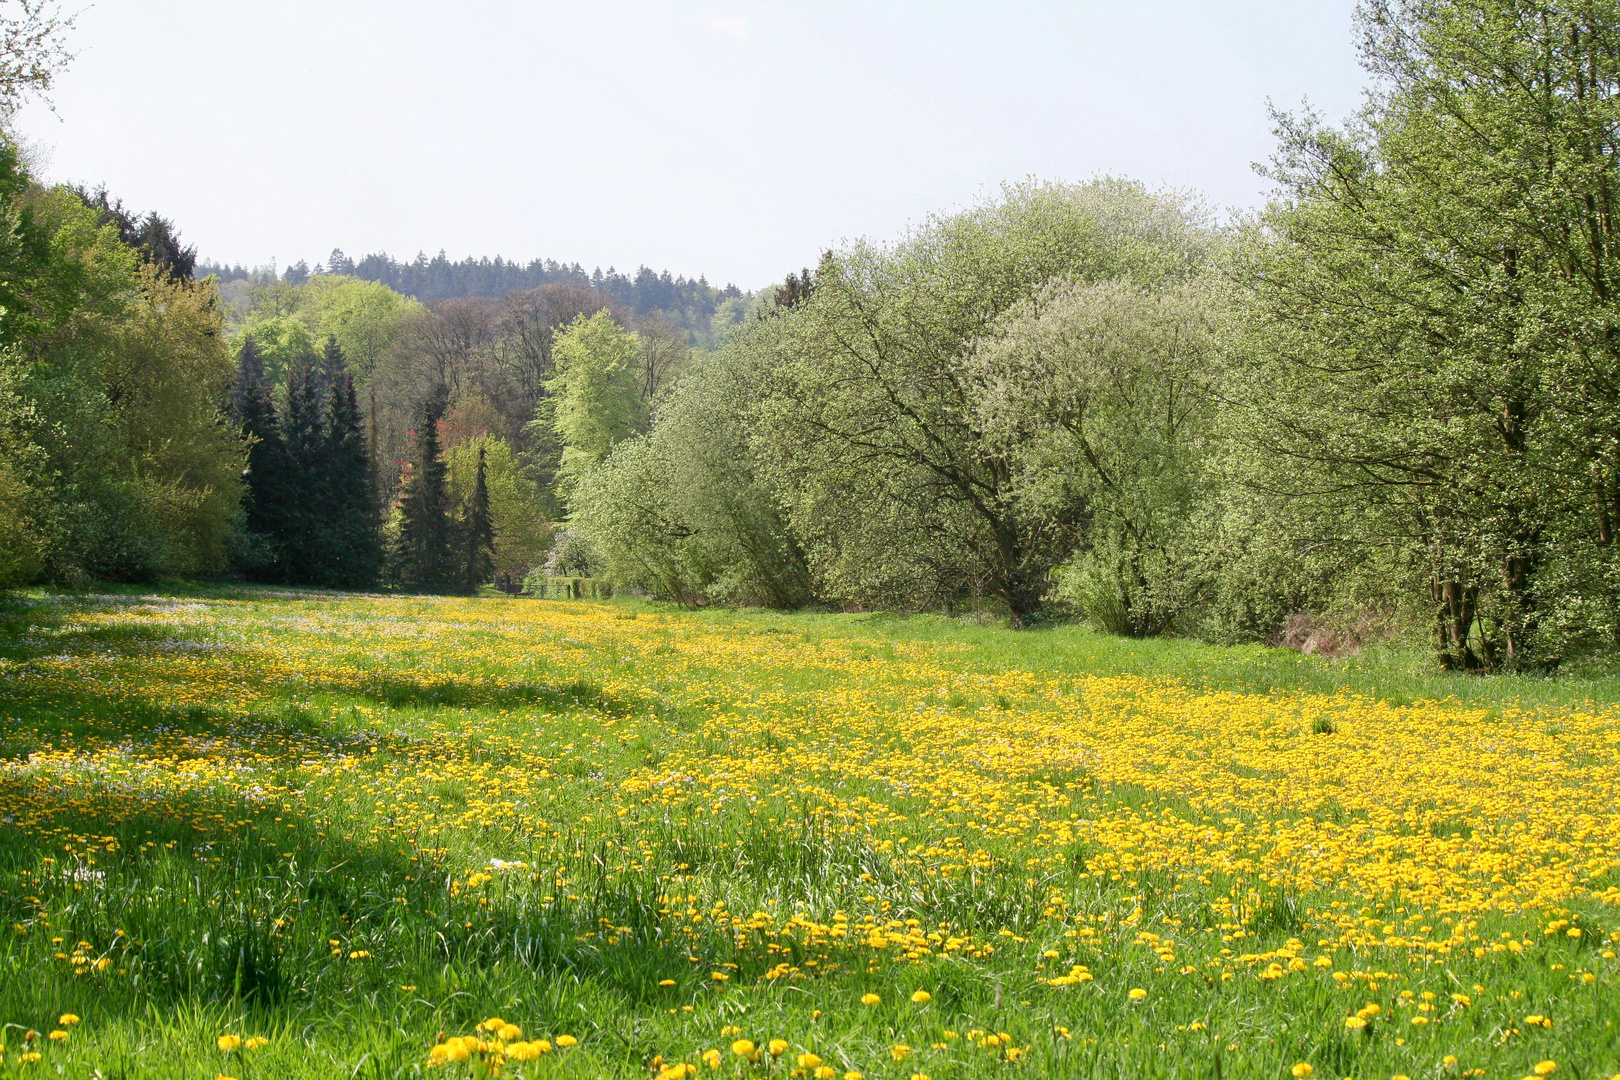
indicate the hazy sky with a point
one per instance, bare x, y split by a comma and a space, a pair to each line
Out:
734, 139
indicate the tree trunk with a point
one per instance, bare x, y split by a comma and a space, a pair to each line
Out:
1454, 615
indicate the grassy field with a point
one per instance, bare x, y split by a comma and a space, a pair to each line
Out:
261, 834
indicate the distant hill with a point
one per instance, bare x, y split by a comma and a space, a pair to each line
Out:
430, 280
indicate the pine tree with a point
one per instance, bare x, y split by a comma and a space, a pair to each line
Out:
425, 557
478, 534
303, 434
350, 554
254, 409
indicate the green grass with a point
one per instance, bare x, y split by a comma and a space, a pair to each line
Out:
258, 785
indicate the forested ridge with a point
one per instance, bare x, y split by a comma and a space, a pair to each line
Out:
689, 302
1385, 405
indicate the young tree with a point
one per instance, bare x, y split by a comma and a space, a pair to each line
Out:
254, 409
425, 555
596, 392
352, 555
681, 512
523, 532
334, 363
478, 533
303, 437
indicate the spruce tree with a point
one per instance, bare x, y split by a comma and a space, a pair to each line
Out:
425, 556
303, 434
350, 555
478, 534
334, 365
253, 408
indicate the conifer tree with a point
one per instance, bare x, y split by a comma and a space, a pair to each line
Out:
478, 534
334, 364
350, 555
303, 435
425, 556
254, 409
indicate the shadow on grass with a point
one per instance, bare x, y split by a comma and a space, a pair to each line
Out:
127, 902
132, 903
59, 628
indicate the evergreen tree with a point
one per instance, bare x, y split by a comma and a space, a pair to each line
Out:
425, 557
478, 534
334, 365
304, 437
350, 555
254, 410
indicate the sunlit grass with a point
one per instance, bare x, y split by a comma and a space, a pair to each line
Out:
359, 828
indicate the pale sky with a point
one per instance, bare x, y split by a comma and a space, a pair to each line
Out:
734, 139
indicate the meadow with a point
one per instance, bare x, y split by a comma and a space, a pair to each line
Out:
251, 833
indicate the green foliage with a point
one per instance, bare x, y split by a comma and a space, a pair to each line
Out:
597, 398
22, 548
425, 553
477, 531
521, 531
310, 514
680, 512
347, 529
868, 429
282, 340
363, 317
173, 372
1098, 397
109, 412
1432, 341
367, 320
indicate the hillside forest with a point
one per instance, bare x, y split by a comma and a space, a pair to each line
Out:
1387, 404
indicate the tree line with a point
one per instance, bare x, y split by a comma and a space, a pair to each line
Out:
698, 308
1391, 396
1389, 400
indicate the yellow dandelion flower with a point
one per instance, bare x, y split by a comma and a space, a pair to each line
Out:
922, 997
